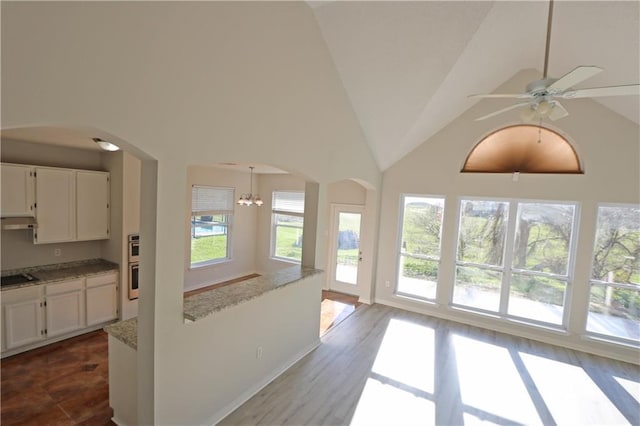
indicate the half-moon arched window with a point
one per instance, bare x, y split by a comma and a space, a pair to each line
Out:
523, 149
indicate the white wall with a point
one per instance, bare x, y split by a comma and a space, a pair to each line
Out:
347, 192
608, 147
243, 229
18, 250
186, 83
267, 184
131, 170
125, 218
50, 155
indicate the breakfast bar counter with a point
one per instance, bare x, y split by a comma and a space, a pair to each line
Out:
301, 284
209, 302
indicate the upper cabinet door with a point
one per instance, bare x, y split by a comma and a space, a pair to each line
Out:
92, 189
55, 206
17, 190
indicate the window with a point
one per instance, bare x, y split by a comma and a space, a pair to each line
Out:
614, 303
419, 252
211, 217
523, 148
287, 218
515, 267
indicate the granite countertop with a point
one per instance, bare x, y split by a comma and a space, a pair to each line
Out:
61, 271
126, 331
209, 302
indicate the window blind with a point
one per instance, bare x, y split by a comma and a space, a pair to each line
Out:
208, 200
288, 201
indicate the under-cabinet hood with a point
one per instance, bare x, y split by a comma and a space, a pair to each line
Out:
11, 223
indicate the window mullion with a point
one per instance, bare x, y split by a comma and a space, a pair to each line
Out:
507, 259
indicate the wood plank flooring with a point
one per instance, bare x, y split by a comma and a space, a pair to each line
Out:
335, 308
65, 383
384, 366
379, 366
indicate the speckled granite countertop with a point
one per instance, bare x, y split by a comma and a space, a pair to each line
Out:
209, 302
61, 271
126, 331
204, 304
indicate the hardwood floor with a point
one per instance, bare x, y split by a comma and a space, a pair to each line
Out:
379, 366
66, 383
335, 308
387, 366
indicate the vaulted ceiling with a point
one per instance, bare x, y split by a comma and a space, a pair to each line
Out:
408, 67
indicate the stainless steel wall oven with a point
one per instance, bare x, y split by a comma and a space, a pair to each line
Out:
134, 253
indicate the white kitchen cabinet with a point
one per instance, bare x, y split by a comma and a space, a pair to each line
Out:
17, 190
32, 316
23, 321
102, 298
71, 205
64, 307
92, 211
55, 205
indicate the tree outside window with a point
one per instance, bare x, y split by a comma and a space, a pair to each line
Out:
516, 267
614, 305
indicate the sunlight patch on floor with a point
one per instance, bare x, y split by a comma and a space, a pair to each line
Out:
570, 394
490, 384
633, 388
384, 405
406, 355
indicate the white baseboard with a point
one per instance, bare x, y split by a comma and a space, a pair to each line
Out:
246, 395
118, 421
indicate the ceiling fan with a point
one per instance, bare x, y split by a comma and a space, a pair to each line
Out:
541, 96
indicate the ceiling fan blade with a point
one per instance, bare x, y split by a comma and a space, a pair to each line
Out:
502, 95
500, 111
558, 112
594, 92
570, 79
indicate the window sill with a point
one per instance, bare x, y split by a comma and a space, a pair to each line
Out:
284, 259
600, 338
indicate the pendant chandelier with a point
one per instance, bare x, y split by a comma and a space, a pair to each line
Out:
249, 199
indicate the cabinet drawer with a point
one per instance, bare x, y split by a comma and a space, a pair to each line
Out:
21, 294
64, 287
97, 280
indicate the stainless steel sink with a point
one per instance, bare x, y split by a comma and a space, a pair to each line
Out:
17, 279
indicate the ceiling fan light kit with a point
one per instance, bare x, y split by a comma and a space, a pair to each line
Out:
541, 96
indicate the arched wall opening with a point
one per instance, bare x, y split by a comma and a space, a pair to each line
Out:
248, 239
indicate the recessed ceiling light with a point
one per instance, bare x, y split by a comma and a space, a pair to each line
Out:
107, 146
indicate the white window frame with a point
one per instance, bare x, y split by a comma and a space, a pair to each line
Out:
507, 269
400, 253
219, 207
274, 225
592, 335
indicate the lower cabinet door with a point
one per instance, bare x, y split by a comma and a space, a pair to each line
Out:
102, 304
64, 313
23, 323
